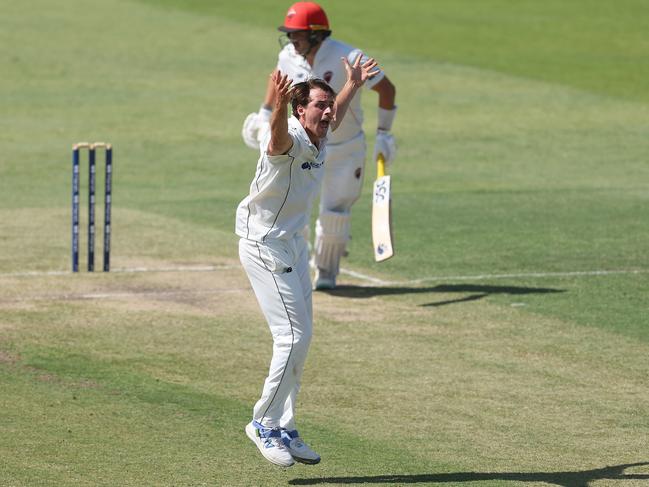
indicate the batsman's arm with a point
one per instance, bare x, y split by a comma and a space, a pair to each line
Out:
269, 97
256, 125
387, 95
280, 141
385, 143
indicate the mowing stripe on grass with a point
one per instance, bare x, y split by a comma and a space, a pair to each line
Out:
354, 274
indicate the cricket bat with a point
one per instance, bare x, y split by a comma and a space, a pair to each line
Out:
382, 214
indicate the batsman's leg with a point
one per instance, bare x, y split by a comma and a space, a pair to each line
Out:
341, 188
332, 233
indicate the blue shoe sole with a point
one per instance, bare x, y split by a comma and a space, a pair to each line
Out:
307, 461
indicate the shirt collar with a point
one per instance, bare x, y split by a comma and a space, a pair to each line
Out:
295, 123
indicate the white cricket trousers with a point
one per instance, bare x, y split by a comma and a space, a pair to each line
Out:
279, 274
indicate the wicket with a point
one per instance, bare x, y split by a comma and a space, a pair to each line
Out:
91, 203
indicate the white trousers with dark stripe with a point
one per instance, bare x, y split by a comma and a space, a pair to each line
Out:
279, 274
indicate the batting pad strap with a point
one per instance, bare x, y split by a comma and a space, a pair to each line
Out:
385, 118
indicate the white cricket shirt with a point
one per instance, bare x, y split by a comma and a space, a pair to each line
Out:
283, 189
328, 66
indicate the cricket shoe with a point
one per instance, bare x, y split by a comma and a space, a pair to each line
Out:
299, 450
270, 444
323, 280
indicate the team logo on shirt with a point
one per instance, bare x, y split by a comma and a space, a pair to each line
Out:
327, 76
311, 165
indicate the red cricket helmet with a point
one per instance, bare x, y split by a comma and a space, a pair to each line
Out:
305, 16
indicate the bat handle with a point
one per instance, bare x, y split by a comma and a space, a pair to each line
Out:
380, 166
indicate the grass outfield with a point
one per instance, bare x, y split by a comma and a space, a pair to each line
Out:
506, 342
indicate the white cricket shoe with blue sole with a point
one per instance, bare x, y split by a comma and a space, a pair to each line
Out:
270, 443
299, 450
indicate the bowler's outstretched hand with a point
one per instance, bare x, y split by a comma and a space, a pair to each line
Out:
357, 74
282, 88
360, 73
280, 142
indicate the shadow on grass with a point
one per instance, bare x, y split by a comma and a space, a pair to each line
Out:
476, 291
563, 479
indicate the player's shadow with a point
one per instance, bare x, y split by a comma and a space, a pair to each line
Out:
563, 479
474, 291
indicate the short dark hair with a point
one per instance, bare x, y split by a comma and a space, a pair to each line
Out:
301, 92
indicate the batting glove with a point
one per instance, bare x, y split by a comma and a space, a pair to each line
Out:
385, 145
255, 127
250, 130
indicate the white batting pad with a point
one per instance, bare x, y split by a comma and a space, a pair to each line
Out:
331, 236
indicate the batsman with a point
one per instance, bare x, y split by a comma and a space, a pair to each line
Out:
309, 52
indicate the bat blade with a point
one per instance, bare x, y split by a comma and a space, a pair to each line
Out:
382, 214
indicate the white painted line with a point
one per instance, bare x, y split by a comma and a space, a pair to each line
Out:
364, 277
34, 273
197, 268
481, 277
121, 295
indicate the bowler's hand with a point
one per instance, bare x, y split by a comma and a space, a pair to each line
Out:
282, 84
359, 73
280, 142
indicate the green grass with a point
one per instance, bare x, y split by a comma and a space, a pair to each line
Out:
596, 46
493, 357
